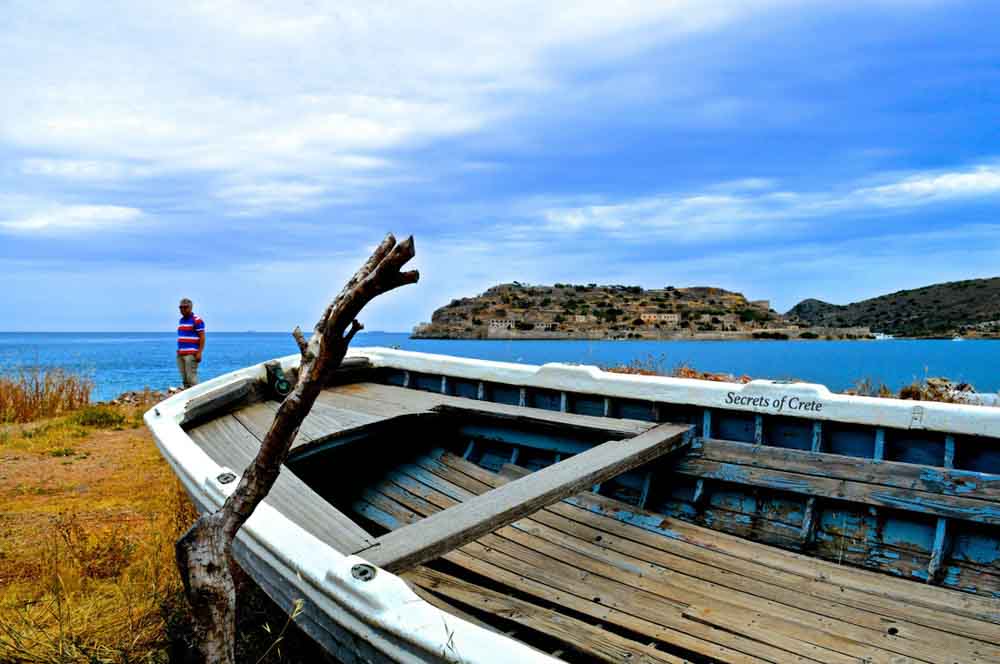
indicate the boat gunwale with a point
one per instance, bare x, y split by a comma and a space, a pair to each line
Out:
949, 418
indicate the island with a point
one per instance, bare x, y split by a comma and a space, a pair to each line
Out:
592, 311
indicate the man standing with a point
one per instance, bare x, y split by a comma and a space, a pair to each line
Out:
190, 343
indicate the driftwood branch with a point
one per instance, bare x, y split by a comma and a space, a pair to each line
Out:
204, 553
300, 340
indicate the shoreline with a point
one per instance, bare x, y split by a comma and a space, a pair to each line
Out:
707, 337
793, 339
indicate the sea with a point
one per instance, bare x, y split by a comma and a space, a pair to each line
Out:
119, 362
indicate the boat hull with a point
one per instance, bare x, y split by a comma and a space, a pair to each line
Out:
383, 620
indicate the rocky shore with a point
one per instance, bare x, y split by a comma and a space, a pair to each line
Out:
143, 397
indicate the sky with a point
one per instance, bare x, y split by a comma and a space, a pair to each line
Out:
249, 155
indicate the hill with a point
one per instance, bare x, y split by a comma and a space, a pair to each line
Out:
590, 311
958, 307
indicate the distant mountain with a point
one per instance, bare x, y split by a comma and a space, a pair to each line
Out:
939, 309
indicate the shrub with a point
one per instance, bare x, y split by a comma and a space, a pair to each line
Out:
102, 417
749, 315
808, 335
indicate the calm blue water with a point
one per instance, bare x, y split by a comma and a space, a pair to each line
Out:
126, 361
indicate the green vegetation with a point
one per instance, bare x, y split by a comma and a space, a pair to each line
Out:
937, 310
750, 315
104, 417
777, 336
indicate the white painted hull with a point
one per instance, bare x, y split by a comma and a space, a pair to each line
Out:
382, 619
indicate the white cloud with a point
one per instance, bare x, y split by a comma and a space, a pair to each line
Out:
56, 217
747, 184
259, 197
82, 169
753, 205
930, 187
290, 91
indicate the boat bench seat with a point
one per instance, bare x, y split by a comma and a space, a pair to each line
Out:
617, 583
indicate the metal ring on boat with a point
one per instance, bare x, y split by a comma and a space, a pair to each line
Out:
363, 572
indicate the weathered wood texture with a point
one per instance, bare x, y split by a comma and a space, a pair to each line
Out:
675, 585
324, 422
248, 391
911, 476
386, 401
923, 489
229, 443
347, 409
442, 532
220, 400
578, 635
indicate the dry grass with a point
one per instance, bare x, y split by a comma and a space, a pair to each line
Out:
657, 366
32, 394
89, 512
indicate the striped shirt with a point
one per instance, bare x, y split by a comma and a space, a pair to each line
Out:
187, 334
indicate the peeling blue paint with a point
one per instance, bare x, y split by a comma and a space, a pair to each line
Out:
974, 546
376, 515
952, 574
909, 533
988, 513
897, 538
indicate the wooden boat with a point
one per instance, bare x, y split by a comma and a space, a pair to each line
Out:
446, 509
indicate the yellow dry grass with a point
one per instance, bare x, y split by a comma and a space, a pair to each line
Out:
31, 394
89, 512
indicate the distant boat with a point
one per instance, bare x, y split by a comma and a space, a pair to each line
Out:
447, 509
881, 336
957, 338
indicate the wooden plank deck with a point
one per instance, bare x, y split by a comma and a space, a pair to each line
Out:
233, 439
484, 513
680, 587
344, 409
603, 645
229, 443
391, 401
